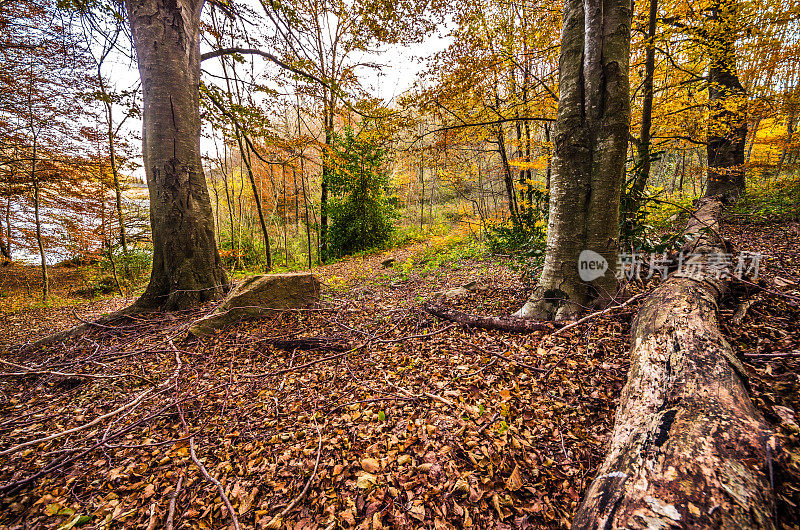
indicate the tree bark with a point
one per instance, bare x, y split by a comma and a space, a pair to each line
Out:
643, 147
688, 448
186, 265
591, 141
727, 121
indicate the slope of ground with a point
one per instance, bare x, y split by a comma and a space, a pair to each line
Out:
417, 422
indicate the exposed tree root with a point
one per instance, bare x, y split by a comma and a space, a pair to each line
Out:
504, 323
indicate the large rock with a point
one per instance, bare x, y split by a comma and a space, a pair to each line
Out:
258, 297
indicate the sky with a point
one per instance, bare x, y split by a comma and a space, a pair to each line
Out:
401, 66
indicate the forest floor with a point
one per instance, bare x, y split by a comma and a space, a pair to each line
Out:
402, 421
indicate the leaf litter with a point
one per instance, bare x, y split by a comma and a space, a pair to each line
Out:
417, 422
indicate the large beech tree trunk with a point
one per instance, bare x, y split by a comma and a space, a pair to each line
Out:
186, 266
688, 448
591, 142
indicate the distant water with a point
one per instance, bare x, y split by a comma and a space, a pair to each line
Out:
53, 220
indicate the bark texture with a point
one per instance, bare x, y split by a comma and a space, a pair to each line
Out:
688, 448
727, 121
590, 140
186, 266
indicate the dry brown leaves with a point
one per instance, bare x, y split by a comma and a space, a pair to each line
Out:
431, 431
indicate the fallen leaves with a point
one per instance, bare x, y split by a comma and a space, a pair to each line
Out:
504, 447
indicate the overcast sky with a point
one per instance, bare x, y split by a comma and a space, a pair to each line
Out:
401, 67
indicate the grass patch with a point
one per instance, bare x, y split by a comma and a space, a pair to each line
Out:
769, 201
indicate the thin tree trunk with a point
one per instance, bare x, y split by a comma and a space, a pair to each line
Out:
305, 203
123, 239
285, 228
549, 170
8, 229
788, 143
39, 242
643, 147
187, 269
257, 197
326, 170
509, 177
228, 193
422, 187
5, 239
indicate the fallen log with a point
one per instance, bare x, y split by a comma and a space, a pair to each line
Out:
688, 449
512, 324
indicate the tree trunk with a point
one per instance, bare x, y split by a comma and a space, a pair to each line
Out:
688, 448
509, 177
5, 239
256, 195
787, 143
326, 171
591, 141
8, 229
186, 265
123, 240
643, 148
727, 121
39, 242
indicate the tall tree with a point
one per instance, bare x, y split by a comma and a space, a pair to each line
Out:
186, 265
727, 121
591, 140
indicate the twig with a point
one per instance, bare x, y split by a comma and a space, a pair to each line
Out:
490, 422
476, 372
741, 311
91, 323
597, 314
423, 336
215, 482
311, 363
276, 521
507, 359
298, 367
505, 323
774, 355
550, 370
172, 499
33, 371
97, 420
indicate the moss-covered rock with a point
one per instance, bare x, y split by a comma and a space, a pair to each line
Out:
258, 297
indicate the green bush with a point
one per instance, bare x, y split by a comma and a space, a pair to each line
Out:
360, 213
131, 270
770, 200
